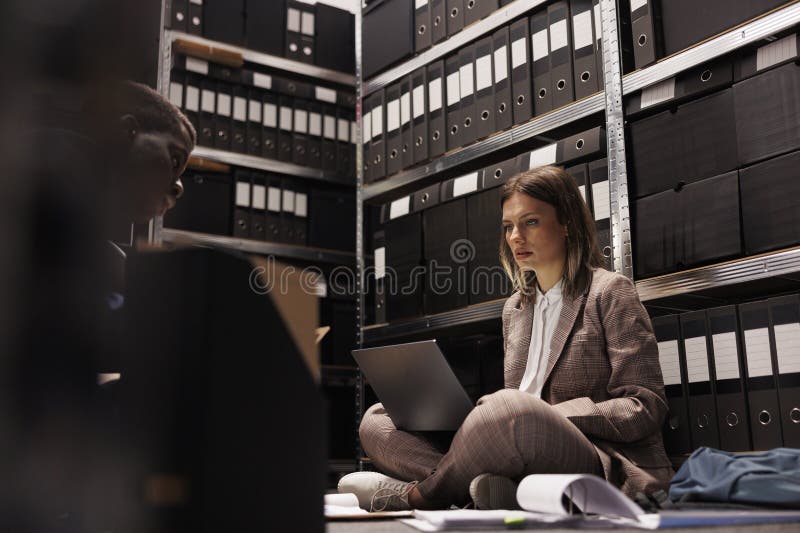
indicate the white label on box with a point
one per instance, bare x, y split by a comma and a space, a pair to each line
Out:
293, 20
483, 72
465, 184
419, 101
420, 3
307, 23
453, 89
601, 198
196, 2
223, 104
696, 359
500, 64
329, 127
380, 263
467, 80
343, 130
582, 188
434, 97
787, 347
325, 95
192, 98
288, 201
405, 108
239, 109
254, 113
353, 132
519, 55
377, 122
540, 45
558, 35
259, 197
393, 115
660, 92
274, 199
726, 356
176, 94
315, 124
197, 65
756, 345
270, 115
262, 80
545, 155
399, 208
286, 118
669, 358
598, 26
636, 4
242, 194
777, 52
301, 205
582, 30
301, 121
207, 102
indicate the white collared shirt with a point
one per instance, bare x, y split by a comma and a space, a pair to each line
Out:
546, 312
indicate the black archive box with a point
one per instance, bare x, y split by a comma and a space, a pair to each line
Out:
206, 205
388, 34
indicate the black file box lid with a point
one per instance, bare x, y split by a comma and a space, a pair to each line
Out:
205, 206
771, 204
654, 144
768, 114
388, 34
335, 38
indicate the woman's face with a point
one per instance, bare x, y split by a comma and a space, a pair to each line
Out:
533, 233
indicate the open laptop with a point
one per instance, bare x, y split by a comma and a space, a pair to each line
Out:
416, 386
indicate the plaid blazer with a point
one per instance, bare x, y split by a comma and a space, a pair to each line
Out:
602, 374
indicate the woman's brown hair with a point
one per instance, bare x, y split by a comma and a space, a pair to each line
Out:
554, 186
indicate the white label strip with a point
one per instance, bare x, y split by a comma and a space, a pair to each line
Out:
543, 156
254, 111
288, 201
500, 64
353, 132
307, 24
196, 2
223, 104
777, 52
377, 121
420, 3
343, 130
669, 358
418, 107
259, 197
726, 356
239, 109
301, 121
286, 118
636, 4
270, 115
453, 89
208, 101
467, 80
756, 344
315, 124
329, 127
405, 108
325, 95
293, 20
434, 97
400, 207
301, 205
558, 35
660, 92
274, 199
366, 129
582, 30
392, 115
262, 80
176, 94
242, 194
197, 65
598, 26
540, 45
192, 98
787, 347
483, 73
601, 197
519, 55
380, 263
697, 359
465, 184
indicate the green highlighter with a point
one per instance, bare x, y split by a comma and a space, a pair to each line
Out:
514, 521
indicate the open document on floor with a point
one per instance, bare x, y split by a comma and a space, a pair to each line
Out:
583, 501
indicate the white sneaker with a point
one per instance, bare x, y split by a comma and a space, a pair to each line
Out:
377, 492
490, 491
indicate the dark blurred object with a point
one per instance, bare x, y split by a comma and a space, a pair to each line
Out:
205, 206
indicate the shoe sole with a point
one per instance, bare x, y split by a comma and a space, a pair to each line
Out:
489, 491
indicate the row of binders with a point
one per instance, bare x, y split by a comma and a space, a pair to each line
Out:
536, 64
258, 206
659, 28
438, 248
732, 376
264, 115
715, 178
319, 34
